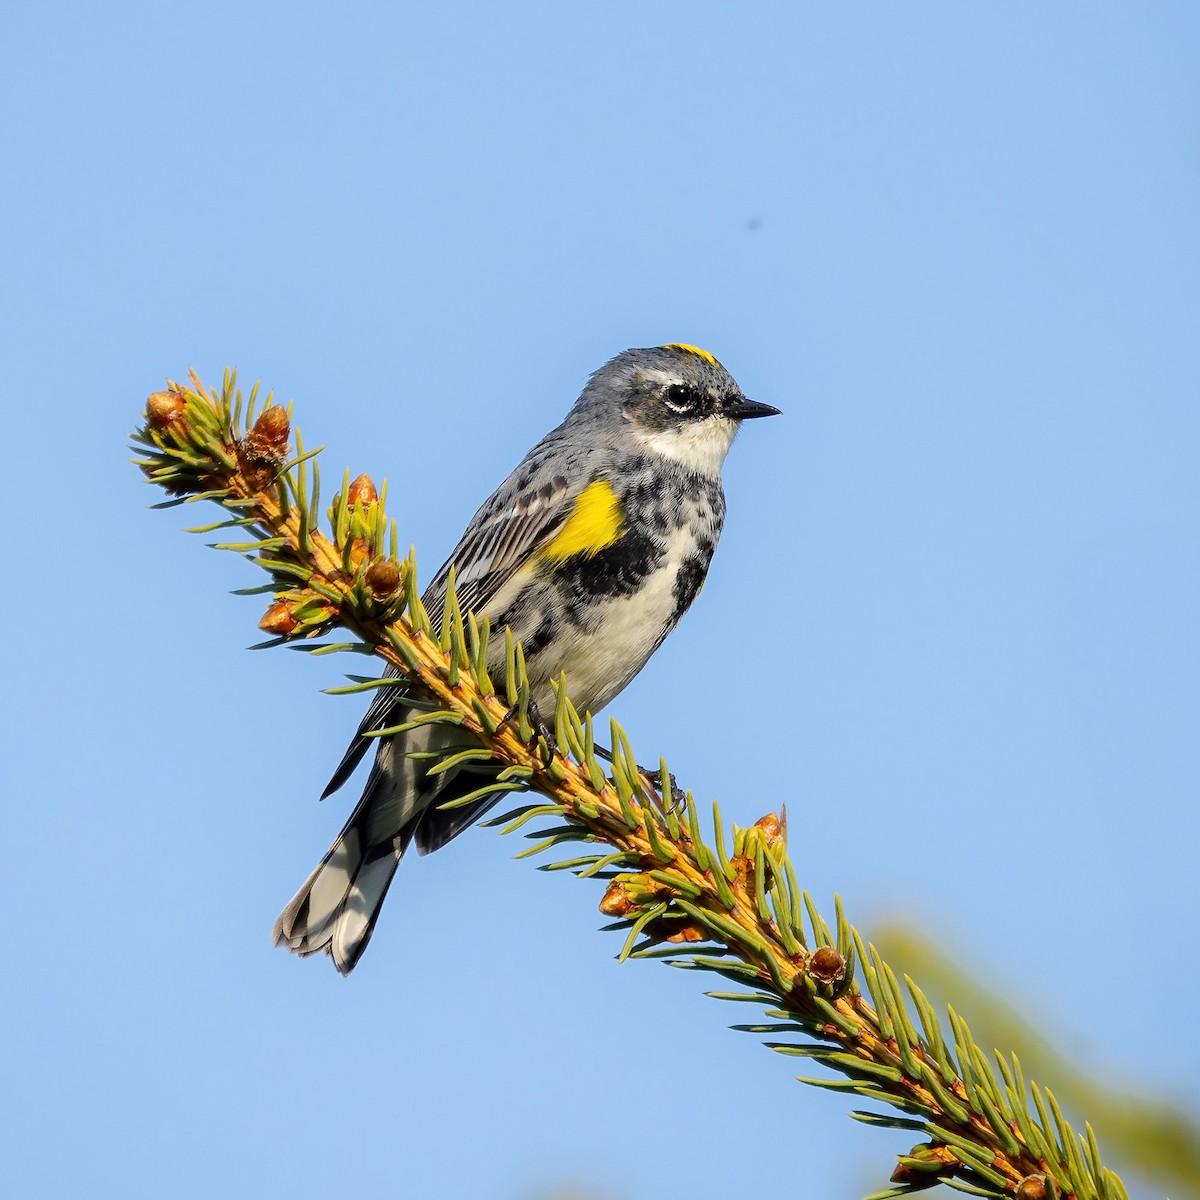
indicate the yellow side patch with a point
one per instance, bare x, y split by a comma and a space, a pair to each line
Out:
704, 354
594, 524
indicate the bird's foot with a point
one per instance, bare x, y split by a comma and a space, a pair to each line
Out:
653, 778
656, 778
542, 733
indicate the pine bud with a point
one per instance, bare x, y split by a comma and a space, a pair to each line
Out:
924, 1163
615, 901
1032, 1187
268, 440
278, 619
164, 409
774, 827
632, 891
826, 965
263, 450
383, 578
769, 825
362, 491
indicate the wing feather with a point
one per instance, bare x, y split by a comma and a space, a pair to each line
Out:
507, 529
496, 543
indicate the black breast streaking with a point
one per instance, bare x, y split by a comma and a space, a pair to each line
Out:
659, 513
618, 570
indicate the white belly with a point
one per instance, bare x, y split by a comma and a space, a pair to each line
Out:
600, 660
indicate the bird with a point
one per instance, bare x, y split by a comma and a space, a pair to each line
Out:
589, 552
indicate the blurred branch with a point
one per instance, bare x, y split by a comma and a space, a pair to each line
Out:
730, 905
1154, 1138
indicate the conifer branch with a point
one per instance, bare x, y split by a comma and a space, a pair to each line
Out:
730, 905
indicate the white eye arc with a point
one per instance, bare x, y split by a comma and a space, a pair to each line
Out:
681, 399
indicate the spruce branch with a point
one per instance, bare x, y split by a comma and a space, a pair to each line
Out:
728, 903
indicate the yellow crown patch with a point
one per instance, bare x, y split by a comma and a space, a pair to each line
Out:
704, 354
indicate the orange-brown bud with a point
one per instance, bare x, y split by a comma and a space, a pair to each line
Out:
826, 964
769, 825
687, 933
362, 491
774, 826
164, 408
616, 901
630, 892
383, 578
267, 442
263, 450
925, 1163
272, 426
278, 619
1032, 1187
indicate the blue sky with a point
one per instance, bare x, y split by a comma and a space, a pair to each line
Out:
956, 244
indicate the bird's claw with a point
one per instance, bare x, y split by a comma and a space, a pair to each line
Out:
541, 731
656, 779
653, 778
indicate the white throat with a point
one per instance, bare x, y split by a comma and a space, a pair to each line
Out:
700, 447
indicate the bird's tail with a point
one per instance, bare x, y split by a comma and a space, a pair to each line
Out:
336, 908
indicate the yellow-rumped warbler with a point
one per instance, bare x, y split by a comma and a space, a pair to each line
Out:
590, 552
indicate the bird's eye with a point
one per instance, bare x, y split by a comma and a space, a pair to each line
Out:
682, 399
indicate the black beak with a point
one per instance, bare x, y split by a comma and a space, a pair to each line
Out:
742, 409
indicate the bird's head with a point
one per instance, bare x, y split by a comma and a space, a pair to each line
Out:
674, 400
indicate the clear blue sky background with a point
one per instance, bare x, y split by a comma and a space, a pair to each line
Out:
956, 244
